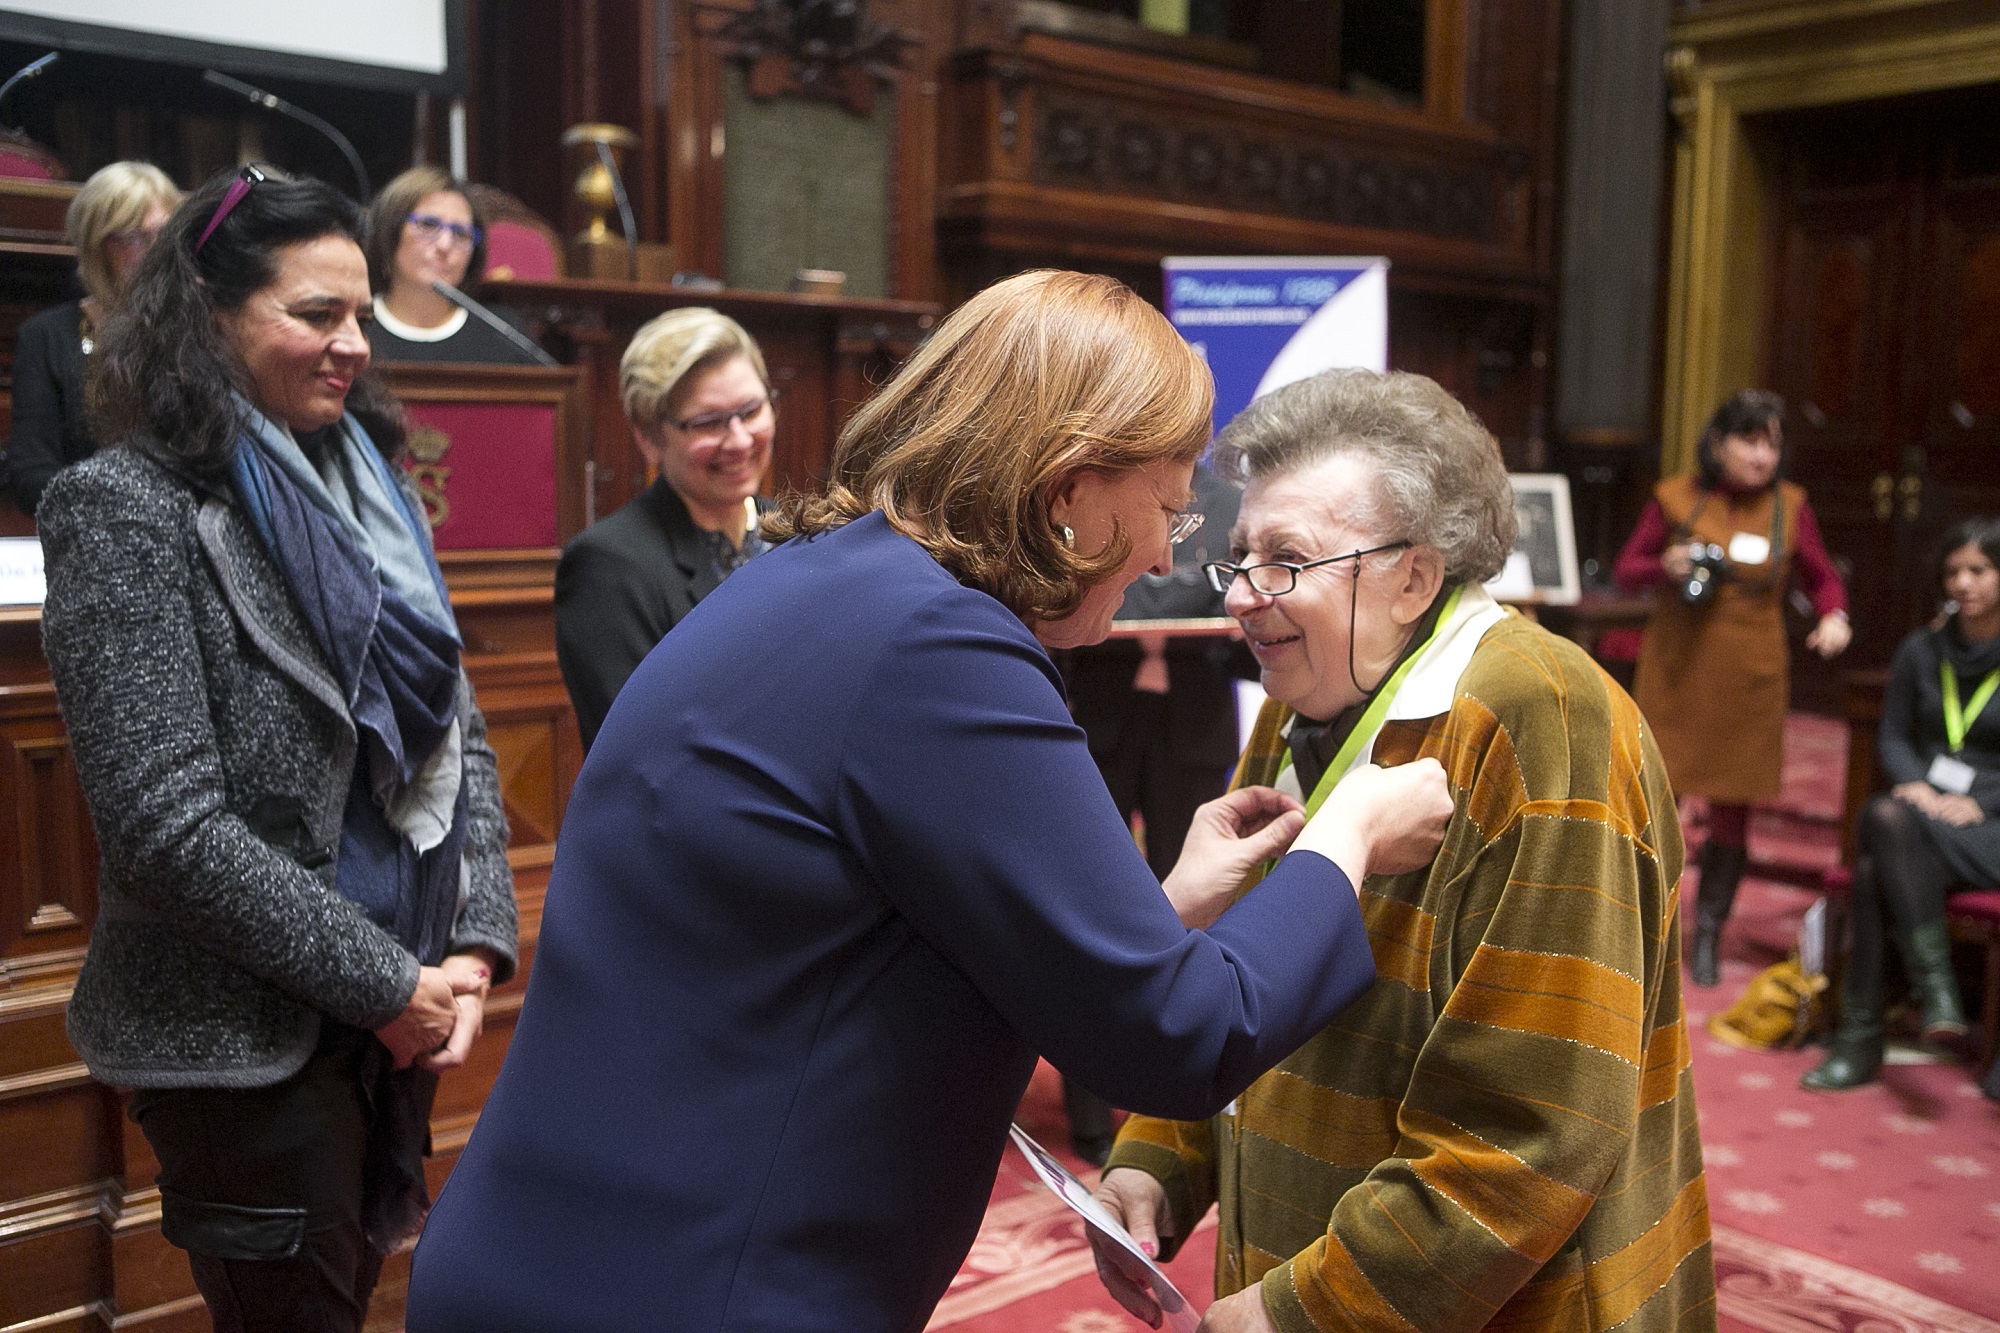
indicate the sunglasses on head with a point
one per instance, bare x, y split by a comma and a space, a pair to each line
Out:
239, 189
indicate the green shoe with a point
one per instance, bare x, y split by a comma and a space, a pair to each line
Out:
1927, 952
1847, 1065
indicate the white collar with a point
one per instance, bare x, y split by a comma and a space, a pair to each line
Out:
411, 333
1433, 680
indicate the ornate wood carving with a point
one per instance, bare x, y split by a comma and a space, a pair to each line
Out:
829, 50
1103, 144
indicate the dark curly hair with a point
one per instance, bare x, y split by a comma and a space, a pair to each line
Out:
164, 377
1745, 412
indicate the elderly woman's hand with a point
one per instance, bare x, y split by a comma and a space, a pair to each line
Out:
1230, 837
426, 1022
1382, 821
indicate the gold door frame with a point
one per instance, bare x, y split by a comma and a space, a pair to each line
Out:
1733, 59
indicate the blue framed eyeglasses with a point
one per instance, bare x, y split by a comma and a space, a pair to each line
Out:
429, 227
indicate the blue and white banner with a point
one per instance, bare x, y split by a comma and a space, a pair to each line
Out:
1264, 322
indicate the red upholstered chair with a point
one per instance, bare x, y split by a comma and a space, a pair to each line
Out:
24, 159
520, 246
1975, 917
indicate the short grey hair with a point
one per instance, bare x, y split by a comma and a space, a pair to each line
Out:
1436, 474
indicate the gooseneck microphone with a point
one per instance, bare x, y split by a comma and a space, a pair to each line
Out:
499, 325
273, 102
32, 69
626, 222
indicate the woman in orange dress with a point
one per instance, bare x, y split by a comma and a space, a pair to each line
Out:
1722, 547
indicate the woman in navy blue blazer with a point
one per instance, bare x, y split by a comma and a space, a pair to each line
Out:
839, 865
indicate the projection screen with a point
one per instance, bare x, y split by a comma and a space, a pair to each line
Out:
392, 44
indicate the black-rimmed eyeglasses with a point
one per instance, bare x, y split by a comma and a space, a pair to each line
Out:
1275, 578
710, 426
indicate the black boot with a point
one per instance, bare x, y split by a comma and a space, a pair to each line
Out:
1855, 1054
1090, 1127
1927, 957
1721, 869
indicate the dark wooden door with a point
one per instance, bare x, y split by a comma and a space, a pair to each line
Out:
1883, 333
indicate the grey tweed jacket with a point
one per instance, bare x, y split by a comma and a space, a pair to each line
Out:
216, 754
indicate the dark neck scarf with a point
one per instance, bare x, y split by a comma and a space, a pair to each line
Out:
1972, 661
1314, 744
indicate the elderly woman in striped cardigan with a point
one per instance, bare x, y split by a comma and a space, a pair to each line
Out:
1502, 1130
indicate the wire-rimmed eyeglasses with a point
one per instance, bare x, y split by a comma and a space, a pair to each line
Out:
1275, 578
1184, 525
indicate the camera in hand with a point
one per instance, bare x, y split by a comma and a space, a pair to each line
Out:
1706, 566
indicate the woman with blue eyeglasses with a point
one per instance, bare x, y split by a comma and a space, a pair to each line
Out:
423, 229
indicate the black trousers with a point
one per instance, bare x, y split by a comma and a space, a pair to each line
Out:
1144, 778
263, 1188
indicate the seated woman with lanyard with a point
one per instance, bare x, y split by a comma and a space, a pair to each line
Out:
1934, 832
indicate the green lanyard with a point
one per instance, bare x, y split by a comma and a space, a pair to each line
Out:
1378, 708
1957, 719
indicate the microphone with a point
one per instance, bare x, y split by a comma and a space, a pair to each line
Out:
499, 325
272, 102
626, 222
32, 69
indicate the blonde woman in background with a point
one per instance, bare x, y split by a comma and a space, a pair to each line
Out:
702, 411
112, 223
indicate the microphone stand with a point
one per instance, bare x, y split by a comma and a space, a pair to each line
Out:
626, 222
32, 69
272, 102
499, 325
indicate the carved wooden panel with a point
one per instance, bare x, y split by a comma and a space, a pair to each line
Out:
48, 871
1216, 161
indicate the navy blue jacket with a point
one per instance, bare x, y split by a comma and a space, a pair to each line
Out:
837, 867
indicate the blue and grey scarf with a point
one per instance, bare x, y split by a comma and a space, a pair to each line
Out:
352, 551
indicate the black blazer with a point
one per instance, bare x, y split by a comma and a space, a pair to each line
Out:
620, 586
49, 431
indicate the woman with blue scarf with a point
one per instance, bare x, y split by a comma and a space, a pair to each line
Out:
303, 893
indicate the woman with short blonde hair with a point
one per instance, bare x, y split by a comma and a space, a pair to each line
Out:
703, 414
670, 348
112, 223
839, 865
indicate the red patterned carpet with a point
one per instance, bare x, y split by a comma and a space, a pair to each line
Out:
1874, 1211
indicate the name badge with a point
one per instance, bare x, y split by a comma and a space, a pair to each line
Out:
1949, 774
1747, 548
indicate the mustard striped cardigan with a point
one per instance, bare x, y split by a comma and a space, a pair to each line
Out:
1500, 1133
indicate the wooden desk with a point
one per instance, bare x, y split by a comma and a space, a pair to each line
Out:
826, 355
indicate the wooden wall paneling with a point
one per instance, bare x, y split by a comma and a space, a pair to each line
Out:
1127, 156
700, 54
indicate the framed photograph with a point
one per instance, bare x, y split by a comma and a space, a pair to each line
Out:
1542, 569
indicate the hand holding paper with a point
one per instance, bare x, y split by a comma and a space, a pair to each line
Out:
1143, 1289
